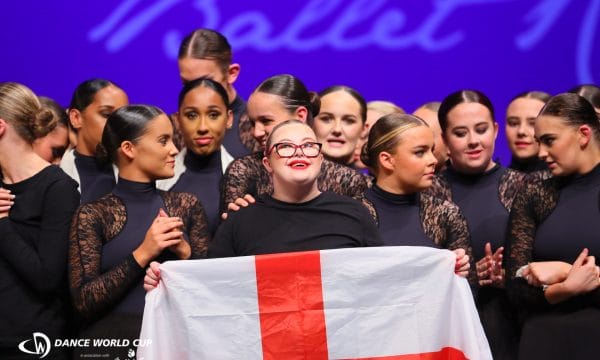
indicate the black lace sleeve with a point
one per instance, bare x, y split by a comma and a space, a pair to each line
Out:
511, 183
345, 181
188, 208
445, 224
530, 207
93, 224
440, 188
246, 129
242, 177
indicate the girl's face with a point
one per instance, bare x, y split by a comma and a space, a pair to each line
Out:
203, 120
520, 132
294, 156
560, 144
470, 138
52, 146
413, 162
339, 126
90, 122
266, 111
154, 152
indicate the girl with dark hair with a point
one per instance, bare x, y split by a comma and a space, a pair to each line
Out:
340, 123
484, 191
114, 238
277, 99
37, 201
553, 233
520, 121
92, 103
399, 153
207, 53
53, 146
203, 117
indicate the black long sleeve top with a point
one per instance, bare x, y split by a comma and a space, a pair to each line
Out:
33, 256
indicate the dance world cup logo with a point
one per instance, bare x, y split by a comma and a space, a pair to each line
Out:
41, 345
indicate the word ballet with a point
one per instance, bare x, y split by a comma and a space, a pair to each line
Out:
343, 25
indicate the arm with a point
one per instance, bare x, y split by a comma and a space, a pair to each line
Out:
91, 290
239, 179
42, 266
457, 236
197, 229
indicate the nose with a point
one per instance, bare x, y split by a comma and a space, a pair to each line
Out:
521, 130
202, 128
337, 127
432, 159
172, 148
543, 152
472, 140
259, 131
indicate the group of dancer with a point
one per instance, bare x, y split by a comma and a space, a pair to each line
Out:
294, 170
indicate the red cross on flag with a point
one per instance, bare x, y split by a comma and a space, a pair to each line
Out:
366, 303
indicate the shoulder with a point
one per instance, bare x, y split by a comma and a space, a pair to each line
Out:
341, 203
512, 176
101, 208
177, 201
251, 161
54, 177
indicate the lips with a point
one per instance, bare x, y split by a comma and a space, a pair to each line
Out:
336, 143
204, 140
299, 164
171, 163
474, 154
522, 144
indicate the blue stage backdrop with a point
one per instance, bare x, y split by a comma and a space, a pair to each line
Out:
408, 52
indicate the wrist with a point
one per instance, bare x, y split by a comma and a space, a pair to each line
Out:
141, 257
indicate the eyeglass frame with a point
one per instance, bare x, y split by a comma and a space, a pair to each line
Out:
296, 147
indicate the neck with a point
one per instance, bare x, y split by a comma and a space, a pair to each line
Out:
131, 173
589, 162
83, 149
389, 183
18, 168
346, 160
296, 193
473, 171
232, 94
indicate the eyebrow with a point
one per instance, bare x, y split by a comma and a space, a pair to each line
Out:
303, 140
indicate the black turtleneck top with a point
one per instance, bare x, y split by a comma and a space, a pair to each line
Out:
95, 180
202, 178
105, 277
528, 165
478, 198
232, 141
399, 218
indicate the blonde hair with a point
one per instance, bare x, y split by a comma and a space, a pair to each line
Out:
385, 107
20, 107
385, 136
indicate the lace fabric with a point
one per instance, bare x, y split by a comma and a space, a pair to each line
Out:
96, 224
248, 176
443, 222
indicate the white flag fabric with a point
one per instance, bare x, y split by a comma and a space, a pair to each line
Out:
362, 303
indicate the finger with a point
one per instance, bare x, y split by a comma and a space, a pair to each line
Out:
166, 227
5, 208
498, 251
241, 202
172, 235
485, 282
581, 258
249, 198
488, 249
590, 261
233, 207
162, 213
169, 243
224, 216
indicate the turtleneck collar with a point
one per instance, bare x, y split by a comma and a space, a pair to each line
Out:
452, 172
590, 178
90, 163
133, 190
527, 165
202, 163
396, 199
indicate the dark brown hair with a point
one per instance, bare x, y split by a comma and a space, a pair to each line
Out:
461, 97
574, 110
207, 44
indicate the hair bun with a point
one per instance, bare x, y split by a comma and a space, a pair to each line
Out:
102, 155
364, 155
315, 103
42, 123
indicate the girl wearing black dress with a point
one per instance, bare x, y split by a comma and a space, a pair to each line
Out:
520, 119
114, 238
277, 99
484, 191
203, 119
92, 103
553, 231
399, 151
37, 201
